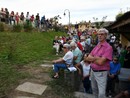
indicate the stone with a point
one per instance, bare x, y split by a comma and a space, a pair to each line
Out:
46, 65
32, 88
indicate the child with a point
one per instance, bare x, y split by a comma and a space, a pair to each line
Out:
113, 75
85, 65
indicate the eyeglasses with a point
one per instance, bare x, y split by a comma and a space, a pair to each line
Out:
101, 34
115, 60
64, 47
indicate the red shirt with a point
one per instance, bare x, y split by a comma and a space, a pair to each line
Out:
79, 46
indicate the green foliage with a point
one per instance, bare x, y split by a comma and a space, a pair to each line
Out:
60, 87
8, 76
119, 15
17, 28
17, 49
28, 27
1, 27
22, 48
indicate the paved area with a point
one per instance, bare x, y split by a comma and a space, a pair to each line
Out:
32, 88
83, 95
24, 97
46, 65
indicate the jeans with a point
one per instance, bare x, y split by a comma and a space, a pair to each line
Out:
57, 66
98, 83
86, 84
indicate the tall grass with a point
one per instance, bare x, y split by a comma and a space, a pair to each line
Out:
20, 49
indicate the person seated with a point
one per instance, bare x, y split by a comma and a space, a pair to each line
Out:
56, 44
76, 52
61, 42
64, 62
113, 76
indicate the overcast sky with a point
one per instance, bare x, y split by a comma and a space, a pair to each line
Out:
80, 10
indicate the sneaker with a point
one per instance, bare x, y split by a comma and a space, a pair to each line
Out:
110, 96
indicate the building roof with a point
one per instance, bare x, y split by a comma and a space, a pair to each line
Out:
121, 25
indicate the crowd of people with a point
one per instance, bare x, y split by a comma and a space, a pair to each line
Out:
97, 59
15, 18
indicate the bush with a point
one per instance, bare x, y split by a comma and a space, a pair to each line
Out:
17, 28
1, 27
28, 27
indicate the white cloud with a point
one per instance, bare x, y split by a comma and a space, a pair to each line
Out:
79, 9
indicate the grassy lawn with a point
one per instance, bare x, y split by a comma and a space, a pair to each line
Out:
20, 49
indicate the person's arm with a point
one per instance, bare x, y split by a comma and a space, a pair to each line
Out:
60, 60
97, 60
77, 67
75, 57
100, 60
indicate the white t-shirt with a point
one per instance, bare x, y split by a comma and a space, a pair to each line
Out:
85, 67
68, 58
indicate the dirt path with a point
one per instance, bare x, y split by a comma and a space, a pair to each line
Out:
40, 75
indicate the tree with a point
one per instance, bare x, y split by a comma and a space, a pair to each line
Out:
99, 24
119, 14
55, 22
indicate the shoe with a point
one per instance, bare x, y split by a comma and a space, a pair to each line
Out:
110, 96
55, 77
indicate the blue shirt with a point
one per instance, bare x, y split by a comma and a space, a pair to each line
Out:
114, 67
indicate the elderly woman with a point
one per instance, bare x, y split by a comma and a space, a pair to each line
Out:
64, 62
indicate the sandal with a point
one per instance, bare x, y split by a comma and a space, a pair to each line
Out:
55, 77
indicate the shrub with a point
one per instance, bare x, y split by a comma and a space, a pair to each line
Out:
1, 27
28, 27
17, 28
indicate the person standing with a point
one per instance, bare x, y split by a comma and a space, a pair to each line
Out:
83, 68
100, 57
127, 58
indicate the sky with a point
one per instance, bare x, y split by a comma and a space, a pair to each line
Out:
80, 10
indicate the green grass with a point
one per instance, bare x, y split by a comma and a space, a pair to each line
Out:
18, 49
21, 48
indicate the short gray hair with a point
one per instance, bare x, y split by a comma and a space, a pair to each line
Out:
67, 46
103, 30
73, 44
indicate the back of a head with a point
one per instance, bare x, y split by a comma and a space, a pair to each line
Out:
73, 44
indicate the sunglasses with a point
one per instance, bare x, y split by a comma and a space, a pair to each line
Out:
115, 60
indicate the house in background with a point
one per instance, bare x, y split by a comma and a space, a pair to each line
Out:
122, 26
